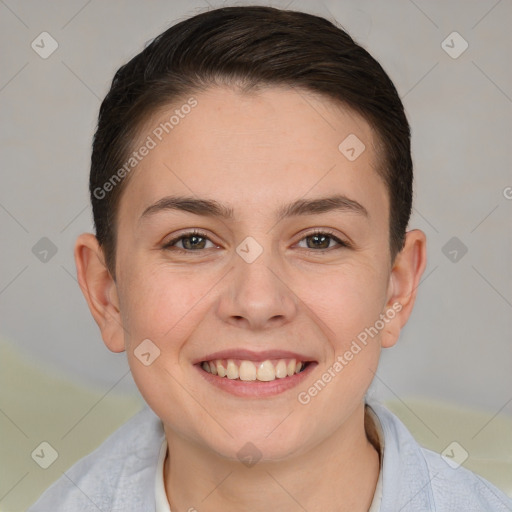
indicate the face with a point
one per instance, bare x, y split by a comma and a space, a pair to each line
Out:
288, 279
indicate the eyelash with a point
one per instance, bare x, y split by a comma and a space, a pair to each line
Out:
197, 233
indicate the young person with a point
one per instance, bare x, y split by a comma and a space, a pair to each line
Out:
251, 185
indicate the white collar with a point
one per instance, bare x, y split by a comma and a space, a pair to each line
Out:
162, 503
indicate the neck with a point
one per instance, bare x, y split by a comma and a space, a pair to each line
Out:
338, 474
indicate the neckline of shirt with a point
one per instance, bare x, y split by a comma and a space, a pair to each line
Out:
162, 503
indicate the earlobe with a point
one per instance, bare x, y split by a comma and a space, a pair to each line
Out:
405, 277
99, 290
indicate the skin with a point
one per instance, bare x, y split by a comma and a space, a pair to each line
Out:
254, 153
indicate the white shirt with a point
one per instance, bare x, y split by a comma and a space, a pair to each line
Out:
120, 475
162, 503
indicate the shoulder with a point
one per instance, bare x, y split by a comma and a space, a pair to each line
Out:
419, 479
118, 475
455, 486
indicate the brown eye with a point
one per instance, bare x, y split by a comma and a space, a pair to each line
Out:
321, 240
193, 241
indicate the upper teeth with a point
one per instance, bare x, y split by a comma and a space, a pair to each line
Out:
249, 370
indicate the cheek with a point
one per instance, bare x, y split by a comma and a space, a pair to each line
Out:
351, 309
348, 300
160, 312
358, 330
160, 305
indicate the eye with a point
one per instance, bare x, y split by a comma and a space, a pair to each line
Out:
196, 241
191, 241
321, 239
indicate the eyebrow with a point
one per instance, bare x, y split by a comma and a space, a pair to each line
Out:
212, 208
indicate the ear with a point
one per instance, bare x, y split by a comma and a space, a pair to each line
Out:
404, 279
100, 291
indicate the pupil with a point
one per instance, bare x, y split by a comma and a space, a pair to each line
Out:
318, 237
194, 238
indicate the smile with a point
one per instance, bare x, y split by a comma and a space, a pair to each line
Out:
263, 371
250, 374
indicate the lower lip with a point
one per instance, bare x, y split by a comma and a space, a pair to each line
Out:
256, 388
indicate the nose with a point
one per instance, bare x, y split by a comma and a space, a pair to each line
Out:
255, 296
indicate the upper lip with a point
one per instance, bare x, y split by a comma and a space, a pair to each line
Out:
249, 355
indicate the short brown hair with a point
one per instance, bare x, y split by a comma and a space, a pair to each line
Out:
249, 46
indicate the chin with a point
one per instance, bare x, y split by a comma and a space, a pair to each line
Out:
258, 445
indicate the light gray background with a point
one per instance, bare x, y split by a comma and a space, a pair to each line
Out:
457, 345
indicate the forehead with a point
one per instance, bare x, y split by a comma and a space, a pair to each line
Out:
247, 149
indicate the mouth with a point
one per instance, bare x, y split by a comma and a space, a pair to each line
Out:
262, 371
255, 375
